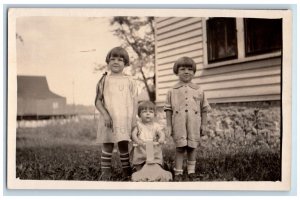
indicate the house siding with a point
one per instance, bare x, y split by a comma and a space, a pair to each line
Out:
256, 80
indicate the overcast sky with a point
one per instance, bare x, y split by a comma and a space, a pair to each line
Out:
65, 49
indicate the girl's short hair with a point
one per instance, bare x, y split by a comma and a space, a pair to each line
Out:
118, 52
186, 62
144, 105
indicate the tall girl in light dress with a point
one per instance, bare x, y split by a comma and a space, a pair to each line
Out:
116, 101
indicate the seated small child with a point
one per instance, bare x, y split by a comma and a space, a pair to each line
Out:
146, 130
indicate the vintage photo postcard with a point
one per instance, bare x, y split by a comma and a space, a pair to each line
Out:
149, 99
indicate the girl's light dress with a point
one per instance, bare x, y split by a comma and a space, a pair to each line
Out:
120, 101
147, 132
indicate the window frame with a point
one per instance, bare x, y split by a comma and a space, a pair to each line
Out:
271, 47
55, 105
241, 51
230, 21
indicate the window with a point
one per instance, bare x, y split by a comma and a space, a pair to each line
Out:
234, 40
262, 35
55, 105
221, 39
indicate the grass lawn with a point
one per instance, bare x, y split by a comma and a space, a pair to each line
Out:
241, 144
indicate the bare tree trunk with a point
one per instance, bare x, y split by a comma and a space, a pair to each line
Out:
126, 32
150, 93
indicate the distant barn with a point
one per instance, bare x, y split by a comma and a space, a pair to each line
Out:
36, 101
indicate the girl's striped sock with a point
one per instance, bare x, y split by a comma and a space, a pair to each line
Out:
105, 166
105, 160
124, 157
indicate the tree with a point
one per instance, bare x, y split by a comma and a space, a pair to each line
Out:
138, 35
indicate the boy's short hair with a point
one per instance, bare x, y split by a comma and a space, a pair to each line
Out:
144, 105
118, 52
184, 61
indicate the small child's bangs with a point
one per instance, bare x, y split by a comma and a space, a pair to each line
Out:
184, 62
118, 52
146, 105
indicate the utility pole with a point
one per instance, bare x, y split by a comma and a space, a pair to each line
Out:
73, 112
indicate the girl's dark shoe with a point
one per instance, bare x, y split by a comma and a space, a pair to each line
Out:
105, 175
127, 172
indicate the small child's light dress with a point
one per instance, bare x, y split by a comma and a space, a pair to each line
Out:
147, 132
120, 101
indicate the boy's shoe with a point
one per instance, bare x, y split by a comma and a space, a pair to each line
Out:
105, 175
178, 177
193, 177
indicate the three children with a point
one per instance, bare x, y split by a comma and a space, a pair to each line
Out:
186, 109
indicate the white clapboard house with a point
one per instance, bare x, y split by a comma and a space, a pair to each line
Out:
238, 59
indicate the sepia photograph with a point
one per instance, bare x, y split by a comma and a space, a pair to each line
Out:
142, 99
